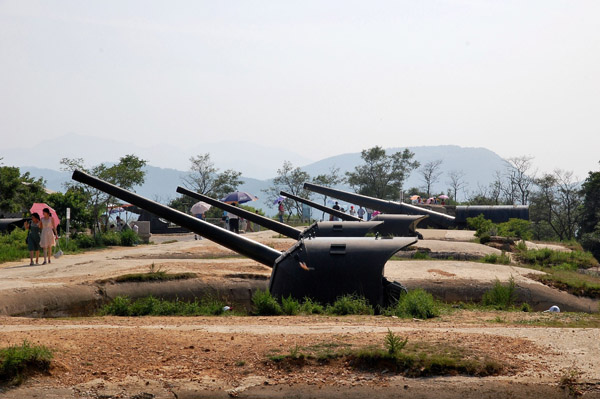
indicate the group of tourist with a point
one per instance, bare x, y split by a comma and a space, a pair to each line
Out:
41, 233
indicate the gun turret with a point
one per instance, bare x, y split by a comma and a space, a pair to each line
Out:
319, 229
393, 225
319, 268
437, 218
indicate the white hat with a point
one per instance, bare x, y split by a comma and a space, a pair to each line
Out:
553, 309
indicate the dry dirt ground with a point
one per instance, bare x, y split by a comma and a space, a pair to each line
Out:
228, 356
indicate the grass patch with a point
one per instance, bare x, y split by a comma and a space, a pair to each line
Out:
396, 354
501, 297
575, 283
265, 304
153, 274
417, 303
549, 258
19, 361
13, 246
502, 259
350, 305
151, 306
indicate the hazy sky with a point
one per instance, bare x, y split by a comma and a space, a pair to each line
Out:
326, 77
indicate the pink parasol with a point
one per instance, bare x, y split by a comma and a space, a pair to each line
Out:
38, 208
443, 196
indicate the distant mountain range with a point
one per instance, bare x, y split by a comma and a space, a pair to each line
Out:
478, 164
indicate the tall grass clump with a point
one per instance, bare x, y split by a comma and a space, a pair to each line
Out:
501, 297
546, 257
129, 238
290, 306
13, 246
350, 305
417, 303
151, 306
265, 304
18, 361
311, 307
502, 259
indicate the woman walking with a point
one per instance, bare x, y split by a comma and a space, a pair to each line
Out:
33, 238
48, 233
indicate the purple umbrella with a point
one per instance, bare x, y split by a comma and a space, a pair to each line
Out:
239, 196
279, 199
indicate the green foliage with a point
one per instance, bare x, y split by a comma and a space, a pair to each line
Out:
151, 306
421, 255
75, 199
265, 304
290, 179
17, 361
417, 303
501, 297
591, 242
13, 246
18, 191
85, 241
311, 307
382, 175
350, 305
290, 306
546, 257
127, 173
502, 259
111, 238
482, 226
393, 343
516, 228
128, 238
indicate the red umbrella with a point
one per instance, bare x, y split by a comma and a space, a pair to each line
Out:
38, 208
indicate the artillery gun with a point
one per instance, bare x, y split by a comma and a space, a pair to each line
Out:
319, 268
495, 213
318, 229
393, 225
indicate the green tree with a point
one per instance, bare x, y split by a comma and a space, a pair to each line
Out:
205, 178
382, 175
19, 191
590, 220
75, 199
127, 173
291, 180
330, 179
555, 208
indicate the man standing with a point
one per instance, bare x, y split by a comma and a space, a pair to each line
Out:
336, 206
234, 221
361, 212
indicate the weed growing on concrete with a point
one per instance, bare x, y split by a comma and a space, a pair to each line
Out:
350, 304
501, 297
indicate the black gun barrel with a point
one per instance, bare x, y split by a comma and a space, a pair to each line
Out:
438, 218
334, 212
280, 228
252, 249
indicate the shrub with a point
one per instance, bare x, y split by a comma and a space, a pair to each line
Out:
265, 304
516, 228
482, 226
117, 307
290, 306
501, 297
549, 258
18, 360
129, 238
311, 307
350, 304
111, 239
591, 242
417, 303
84, 241
494, 258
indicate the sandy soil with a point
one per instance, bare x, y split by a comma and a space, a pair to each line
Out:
229, 356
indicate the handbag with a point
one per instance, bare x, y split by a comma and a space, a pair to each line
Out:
58, 253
